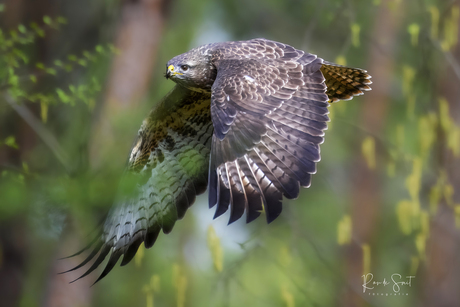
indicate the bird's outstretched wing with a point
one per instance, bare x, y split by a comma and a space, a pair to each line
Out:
167, 169
269, 111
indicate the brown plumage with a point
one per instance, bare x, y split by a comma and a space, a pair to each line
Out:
343, 83
245, 119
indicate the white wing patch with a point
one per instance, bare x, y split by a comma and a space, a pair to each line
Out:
250, 79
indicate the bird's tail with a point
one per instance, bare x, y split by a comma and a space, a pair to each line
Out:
344, 82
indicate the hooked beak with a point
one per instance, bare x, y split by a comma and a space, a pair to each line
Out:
170, 72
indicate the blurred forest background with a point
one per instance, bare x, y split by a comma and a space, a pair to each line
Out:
78, 77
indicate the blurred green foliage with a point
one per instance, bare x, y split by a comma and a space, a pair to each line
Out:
300, 259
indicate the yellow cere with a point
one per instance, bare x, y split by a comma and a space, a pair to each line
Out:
171, 69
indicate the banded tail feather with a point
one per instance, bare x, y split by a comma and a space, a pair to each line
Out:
344, 82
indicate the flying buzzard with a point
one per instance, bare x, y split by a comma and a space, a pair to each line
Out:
245, 119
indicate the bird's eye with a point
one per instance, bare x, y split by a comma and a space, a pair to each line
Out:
184, 67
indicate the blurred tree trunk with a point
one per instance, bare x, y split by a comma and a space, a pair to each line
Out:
60, 292
442, 272
138, 38
366, 195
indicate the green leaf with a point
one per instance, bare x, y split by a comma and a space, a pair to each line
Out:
47, 20
13, 80
87, 54
72, 57
33, 78
44, 112
40, 32
2, 7
355, 30
100, 49
21, 55
25, 167
11, 142
22, 29
63, 96
61, 20
51, 71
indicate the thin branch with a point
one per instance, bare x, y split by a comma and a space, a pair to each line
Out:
41, 131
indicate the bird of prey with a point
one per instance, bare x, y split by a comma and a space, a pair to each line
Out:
245, 120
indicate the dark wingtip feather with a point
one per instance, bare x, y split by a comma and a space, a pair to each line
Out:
235, 216
90, 256
273, 207
191, 194
84, 249
252, 215
104, 252
168, 225
131, 251
254, 207
112, 261
212, 183
237, 207
223, 203
182, 204
151, 236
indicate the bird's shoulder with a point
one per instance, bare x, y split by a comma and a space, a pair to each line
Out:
258, 49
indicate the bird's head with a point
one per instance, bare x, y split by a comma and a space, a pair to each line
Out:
192, 70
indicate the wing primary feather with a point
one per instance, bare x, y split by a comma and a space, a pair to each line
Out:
182, 204
96, 238
104, 252
223, 192
151, 235
87, 259
213, 183
239, 200
309, 150
110, 264
285, 162
289, 132
213, 187
283, 153
257, 207
252, 191
272, 167
272, 194
131, 251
